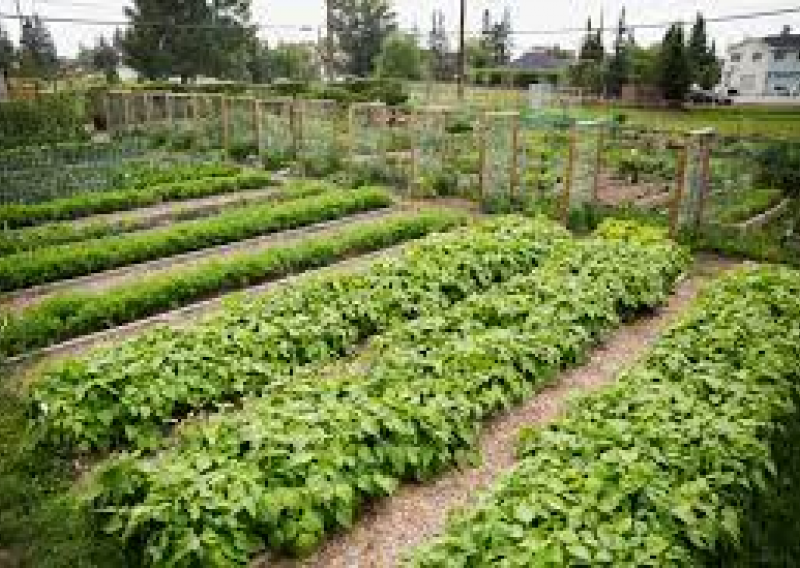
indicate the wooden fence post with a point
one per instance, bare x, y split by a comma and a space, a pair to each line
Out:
258, 117
482, 156
598, 165
515, 173
126, 109
569, 176
678, 192
224, 101
107, 110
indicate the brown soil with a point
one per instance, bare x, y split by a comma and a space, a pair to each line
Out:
390, 527
613, 191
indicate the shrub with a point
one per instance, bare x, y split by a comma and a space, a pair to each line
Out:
44, 120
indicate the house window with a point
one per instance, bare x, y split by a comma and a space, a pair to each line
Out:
736, 57
758, 56
780, 55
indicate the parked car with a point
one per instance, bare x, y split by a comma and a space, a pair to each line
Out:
699, 97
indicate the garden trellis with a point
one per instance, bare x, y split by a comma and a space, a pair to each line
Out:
429, 155
367, 131
318, 130
276, 131
586, 141
501, 155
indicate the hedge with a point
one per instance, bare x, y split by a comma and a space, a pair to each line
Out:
71, 260
43, 120
689, 461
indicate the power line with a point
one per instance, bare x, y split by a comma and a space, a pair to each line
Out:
306, 28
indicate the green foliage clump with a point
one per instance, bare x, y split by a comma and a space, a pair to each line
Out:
299, 461
70, 315
47, 119
169, 372
71, 260
689, 460
82, 205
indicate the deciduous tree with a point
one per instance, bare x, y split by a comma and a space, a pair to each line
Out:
37, 54
401, 58
360, 27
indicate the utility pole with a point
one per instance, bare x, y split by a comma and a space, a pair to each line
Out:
462, 56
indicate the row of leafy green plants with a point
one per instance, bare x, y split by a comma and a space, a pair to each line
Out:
130, 394
199, 182
689, 461
71, 260
299, 461
62, 232
65, 316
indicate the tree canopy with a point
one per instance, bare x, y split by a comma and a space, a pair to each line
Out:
37, 50
197, 37
8, 54
400, 58
676, 74
360, 28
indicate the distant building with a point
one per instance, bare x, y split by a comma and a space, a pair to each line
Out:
544, 59
764, 67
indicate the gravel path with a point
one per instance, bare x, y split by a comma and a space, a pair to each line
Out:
415, 513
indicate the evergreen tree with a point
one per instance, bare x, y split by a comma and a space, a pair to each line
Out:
705, 65
37, 54
619, 65
360, 28
588, 73
439, 47
675, 71
197, 37
496, 38
8, 54
105, 58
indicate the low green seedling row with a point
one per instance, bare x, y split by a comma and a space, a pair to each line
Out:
14, 216
678, 465
63, 232
71, 315
79, 259
301, 460
130, 394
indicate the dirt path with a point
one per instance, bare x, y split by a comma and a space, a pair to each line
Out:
101, 281
391, 527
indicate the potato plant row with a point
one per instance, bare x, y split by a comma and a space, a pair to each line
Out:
672, 466
300, 461
130, 394
79, 259
13, 216
70, 315
63, 232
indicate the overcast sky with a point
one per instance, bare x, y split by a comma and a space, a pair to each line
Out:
527, 15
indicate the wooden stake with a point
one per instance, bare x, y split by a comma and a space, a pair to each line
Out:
598, 165
257, 117
482, 157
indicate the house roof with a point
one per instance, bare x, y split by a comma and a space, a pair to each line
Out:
784, 41
540, 60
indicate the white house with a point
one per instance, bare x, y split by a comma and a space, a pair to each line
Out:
764, 67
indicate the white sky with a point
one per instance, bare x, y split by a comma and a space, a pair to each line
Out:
527, 15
